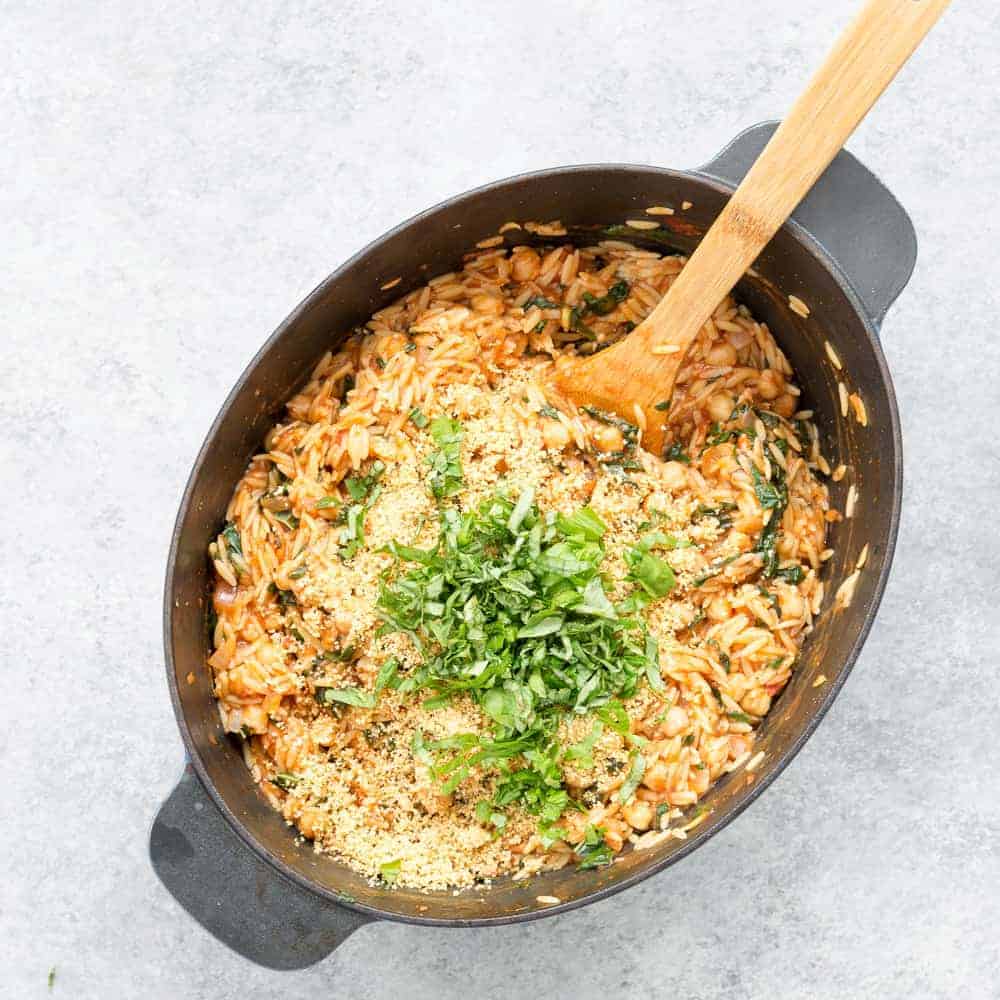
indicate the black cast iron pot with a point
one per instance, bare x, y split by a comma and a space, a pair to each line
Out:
222, 851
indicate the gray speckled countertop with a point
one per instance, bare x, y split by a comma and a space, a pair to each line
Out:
176, 177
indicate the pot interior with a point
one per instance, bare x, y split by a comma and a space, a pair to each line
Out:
587, 200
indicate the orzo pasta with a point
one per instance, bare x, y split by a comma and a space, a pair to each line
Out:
466, 629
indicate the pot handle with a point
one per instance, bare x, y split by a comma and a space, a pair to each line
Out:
849, 212
233, 894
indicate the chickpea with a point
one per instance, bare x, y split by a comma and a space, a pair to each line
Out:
343, 622
749, 523
673, 475
254, 718
787, 547
719, 460
722, 355
770, 384
491, 305
785, 405
700, 778
740, 541
614, 839
718, 609
555, 435
792, 605
675, 722
756, 702
525, 265
608, 438
639, 815
657, 777
575, 825
308, 823
720, 406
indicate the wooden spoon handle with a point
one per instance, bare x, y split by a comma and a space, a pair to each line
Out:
861, 65
644, 366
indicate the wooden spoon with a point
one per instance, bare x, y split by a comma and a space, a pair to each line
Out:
640, 370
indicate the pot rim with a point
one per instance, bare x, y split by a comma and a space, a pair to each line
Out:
708, 830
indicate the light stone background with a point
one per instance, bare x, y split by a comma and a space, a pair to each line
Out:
175, 177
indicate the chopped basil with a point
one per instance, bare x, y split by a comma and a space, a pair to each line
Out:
593, 852
345, 696
418, 418
285, 780
509, 607
445, 479
740, 717
389, 871
387, 675
360, 488
583, 752
635, 774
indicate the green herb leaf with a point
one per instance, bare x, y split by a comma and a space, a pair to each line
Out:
509, 607
636, 771
583, 751
345, 696
389, 871
387, 675
418, 418
584, 523
285, 780
445, 479
653, 574
593, 852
